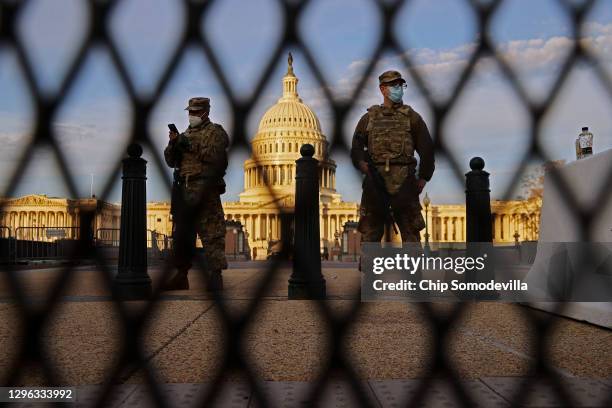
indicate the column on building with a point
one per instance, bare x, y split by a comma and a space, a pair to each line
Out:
506, 224
445, 237
325, 227
255, 224
497, 226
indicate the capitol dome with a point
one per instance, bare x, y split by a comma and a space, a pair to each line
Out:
290, 111
283, 129
269, 175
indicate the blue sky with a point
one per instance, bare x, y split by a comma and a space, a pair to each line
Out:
93, 124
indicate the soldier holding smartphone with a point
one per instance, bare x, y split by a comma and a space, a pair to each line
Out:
199, 157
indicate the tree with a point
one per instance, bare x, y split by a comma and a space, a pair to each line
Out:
532, 188
532, 184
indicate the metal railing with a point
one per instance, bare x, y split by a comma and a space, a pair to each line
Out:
44, 242
110, 237
107, 237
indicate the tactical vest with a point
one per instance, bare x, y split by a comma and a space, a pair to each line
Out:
192, 163
389, 137
390, 144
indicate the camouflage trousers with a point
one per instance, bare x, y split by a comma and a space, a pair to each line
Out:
205, 221
406, 209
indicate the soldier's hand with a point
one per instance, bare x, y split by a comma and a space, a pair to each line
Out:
420, 185
172, 135
363, 166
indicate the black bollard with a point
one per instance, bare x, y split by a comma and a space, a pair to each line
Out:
479, 226
132, 281
478, 203
306, 281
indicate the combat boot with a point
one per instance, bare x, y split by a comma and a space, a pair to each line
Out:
178, 282
215, 281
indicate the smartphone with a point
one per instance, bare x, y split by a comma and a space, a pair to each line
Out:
173, 128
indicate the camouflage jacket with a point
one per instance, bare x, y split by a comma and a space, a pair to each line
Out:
417, 139
203, 152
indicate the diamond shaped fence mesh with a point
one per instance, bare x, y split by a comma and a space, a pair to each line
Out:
98, 34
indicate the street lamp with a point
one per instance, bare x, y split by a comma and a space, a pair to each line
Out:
337, 246
235, 231
516, 238
426, 202
354, 245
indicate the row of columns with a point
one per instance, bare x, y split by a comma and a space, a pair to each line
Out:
443, 229
281, 174
506, 225
333, 223
327, 178
268, 226
259, 226
284, 147
15, 219
447, 229
453, 229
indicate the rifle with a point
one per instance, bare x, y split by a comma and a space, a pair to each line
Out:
381, 189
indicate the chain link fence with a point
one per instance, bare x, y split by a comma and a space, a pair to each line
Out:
98, 34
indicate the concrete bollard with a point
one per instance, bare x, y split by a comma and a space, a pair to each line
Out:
307, 281
132, 281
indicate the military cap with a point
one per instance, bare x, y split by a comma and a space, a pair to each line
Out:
390, 76
198, 103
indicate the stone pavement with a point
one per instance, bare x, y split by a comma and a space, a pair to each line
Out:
389, 343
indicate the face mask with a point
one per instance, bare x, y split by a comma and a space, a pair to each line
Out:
195, 120
395, 93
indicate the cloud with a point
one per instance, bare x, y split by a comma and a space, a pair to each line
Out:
440, 68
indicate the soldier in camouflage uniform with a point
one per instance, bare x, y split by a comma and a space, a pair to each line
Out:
391, 133
199, 156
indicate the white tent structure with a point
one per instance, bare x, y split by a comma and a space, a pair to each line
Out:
558, 260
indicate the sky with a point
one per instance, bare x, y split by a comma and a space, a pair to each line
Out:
93, 125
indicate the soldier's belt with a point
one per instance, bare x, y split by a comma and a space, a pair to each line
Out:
394, 162
195, 177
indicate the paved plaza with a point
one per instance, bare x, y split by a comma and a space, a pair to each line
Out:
286, 343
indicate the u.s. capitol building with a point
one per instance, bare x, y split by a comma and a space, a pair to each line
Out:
269, 174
